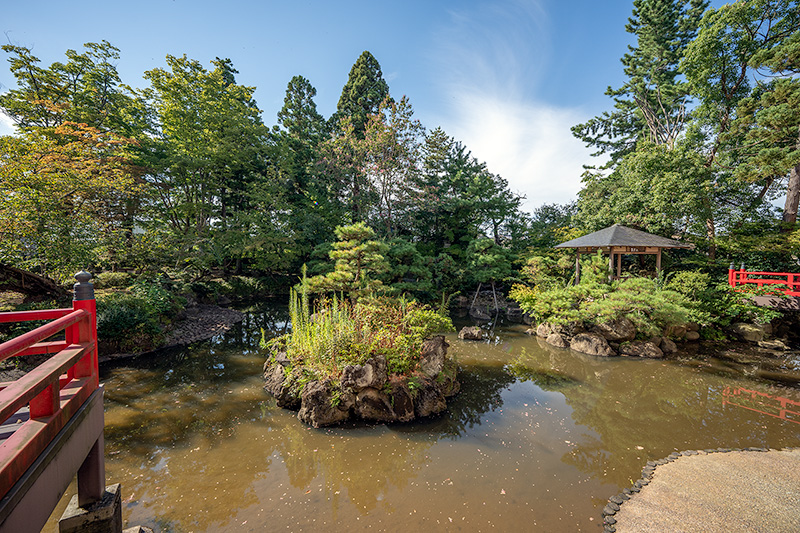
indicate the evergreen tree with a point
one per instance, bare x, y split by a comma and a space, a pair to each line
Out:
651, 104
359, 261
363, 93
300, 130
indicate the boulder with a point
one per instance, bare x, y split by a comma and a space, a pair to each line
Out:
401, 401
316, 405
279, 384
676, 332
774, 344
641, 349
480, 312
656, 341
372, 404
543, 330
460, 301
434, 351
514, 315
557, 340
428, 397
748, 332
620, 329
592, 344
471, 333
667, 346
527, 319
530, 331
371, 374
692, 335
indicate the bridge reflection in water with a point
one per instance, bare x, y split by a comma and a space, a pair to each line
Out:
761, 402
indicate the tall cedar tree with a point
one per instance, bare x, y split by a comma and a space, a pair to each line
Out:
300, 130
363, 93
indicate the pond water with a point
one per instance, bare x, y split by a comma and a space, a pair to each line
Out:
538, 439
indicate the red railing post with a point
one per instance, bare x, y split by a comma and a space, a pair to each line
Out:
92, 473
85, 330
731, 270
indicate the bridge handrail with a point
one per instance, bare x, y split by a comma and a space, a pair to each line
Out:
56, 389
26, 340
742, 277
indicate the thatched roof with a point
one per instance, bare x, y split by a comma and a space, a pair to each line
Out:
617, 235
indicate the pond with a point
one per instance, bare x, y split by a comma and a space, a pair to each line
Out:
539, 438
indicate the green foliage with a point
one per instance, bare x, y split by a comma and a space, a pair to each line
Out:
408, 270
124, 320
359, 259
340, 333
363, 93
716, 304
488, 261
113, 280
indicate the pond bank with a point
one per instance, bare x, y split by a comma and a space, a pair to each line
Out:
199, 323
741, 490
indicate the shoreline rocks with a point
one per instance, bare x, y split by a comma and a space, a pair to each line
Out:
366, 391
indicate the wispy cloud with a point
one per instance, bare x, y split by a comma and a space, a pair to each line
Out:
528, 143
493, 58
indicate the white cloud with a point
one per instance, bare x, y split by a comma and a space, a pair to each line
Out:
529, 144
492, 58
6, 125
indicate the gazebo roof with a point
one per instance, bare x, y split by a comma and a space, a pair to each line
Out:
617, 235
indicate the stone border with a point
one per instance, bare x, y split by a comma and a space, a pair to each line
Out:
614, 503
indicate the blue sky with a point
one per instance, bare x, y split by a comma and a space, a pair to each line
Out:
506, 77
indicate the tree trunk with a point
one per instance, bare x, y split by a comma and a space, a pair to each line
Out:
33, 286
792, 196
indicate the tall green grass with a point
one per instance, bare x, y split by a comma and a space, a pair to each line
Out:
333, 332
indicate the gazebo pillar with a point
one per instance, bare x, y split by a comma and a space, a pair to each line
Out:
658, 263
610, 264
577, 267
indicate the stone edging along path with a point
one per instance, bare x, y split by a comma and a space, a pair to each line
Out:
705, 499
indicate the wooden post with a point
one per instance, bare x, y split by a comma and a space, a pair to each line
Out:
577, 267
658, 263
619, 266
610, 265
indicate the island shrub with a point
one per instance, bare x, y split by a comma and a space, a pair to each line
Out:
334, 332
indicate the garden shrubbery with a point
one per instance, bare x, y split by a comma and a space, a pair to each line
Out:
653, 305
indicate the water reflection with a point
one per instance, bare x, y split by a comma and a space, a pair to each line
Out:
538, 438
761, 402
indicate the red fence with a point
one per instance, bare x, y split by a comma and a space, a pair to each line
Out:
783, 282
52, 392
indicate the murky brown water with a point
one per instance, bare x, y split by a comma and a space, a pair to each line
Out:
538, 439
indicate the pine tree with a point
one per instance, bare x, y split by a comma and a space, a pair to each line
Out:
650, 105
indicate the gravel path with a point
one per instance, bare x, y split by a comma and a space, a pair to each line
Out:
752, 491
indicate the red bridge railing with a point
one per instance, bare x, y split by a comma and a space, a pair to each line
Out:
783, 282
37, 406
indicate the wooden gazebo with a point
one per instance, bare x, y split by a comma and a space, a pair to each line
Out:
617, 241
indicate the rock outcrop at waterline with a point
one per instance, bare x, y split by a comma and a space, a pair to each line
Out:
366, 391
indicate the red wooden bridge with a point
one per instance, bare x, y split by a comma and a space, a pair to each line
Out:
52, 418
777, 282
